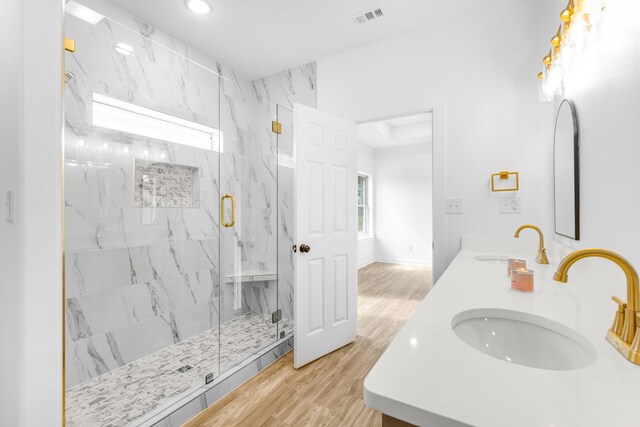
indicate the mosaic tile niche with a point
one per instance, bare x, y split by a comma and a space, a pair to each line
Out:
165, 185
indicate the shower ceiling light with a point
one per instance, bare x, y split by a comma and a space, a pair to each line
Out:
200, 7
123, 116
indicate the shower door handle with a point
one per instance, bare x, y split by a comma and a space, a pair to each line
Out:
233, 210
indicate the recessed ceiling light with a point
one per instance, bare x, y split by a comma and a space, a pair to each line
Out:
201, 7
123, 48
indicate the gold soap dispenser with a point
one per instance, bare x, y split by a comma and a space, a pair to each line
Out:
541, 257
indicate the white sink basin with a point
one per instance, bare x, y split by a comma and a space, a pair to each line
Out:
524, 339
491, 258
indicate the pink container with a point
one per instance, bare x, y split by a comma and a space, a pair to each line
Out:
515, 264
522, 280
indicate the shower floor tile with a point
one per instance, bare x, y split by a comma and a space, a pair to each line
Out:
118, 397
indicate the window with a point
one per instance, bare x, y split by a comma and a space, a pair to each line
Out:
364, 212
123, 116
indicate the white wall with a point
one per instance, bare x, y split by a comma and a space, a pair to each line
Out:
11, 322
606, 92
41, 162
485, 66
366, 245
403, 214
30, 249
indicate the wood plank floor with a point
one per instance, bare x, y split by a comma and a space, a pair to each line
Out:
328, 392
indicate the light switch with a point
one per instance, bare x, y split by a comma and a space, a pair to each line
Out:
10, 205
453, 206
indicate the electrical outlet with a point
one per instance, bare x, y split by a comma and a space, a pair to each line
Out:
453, 206
510, 205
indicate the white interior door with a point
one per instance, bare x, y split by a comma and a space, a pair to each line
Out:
326, 224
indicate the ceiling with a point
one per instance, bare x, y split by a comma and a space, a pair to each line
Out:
410, 130
258, 38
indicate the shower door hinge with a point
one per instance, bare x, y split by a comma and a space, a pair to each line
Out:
276, 127
69, 45
276, 316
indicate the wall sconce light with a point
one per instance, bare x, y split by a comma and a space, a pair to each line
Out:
556, 40
577, 21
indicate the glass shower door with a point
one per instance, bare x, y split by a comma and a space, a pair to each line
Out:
142, 203
249, 231
286, 240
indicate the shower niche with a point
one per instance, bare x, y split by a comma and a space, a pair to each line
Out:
165, 185
164, 299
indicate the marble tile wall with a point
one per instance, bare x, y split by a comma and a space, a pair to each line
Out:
140, 279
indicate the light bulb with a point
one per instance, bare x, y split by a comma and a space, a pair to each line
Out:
200, 7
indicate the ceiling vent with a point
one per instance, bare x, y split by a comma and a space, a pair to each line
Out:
367, 15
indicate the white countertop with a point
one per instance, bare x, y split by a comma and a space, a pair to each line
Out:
430, 377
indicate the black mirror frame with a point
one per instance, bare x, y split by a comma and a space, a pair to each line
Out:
576, 168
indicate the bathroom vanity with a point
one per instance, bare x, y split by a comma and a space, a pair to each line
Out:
477, 353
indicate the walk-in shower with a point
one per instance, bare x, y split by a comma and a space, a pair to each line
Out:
178, 218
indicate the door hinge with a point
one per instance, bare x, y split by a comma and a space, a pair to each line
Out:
276, 127
69, 44
276, 316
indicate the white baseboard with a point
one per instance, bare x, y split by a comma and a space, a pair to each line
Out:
366, 263
403, 261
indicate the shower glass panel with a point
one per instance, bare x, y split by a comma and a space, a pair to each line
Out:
286, 241
249, 232
142, 234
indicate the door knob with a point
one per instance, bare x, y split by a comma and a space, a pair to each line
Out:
304, 248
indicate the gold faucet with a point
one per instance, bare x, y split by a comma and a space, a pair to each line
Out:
622, 334
541, 258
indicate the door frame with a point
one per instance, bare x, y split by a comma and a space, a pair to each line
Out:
437, 107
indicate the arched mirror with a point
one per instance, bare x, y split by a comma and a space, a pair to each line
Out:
566, 171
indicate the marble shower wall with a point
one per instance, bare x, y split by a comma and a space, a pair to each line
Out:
137, 279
